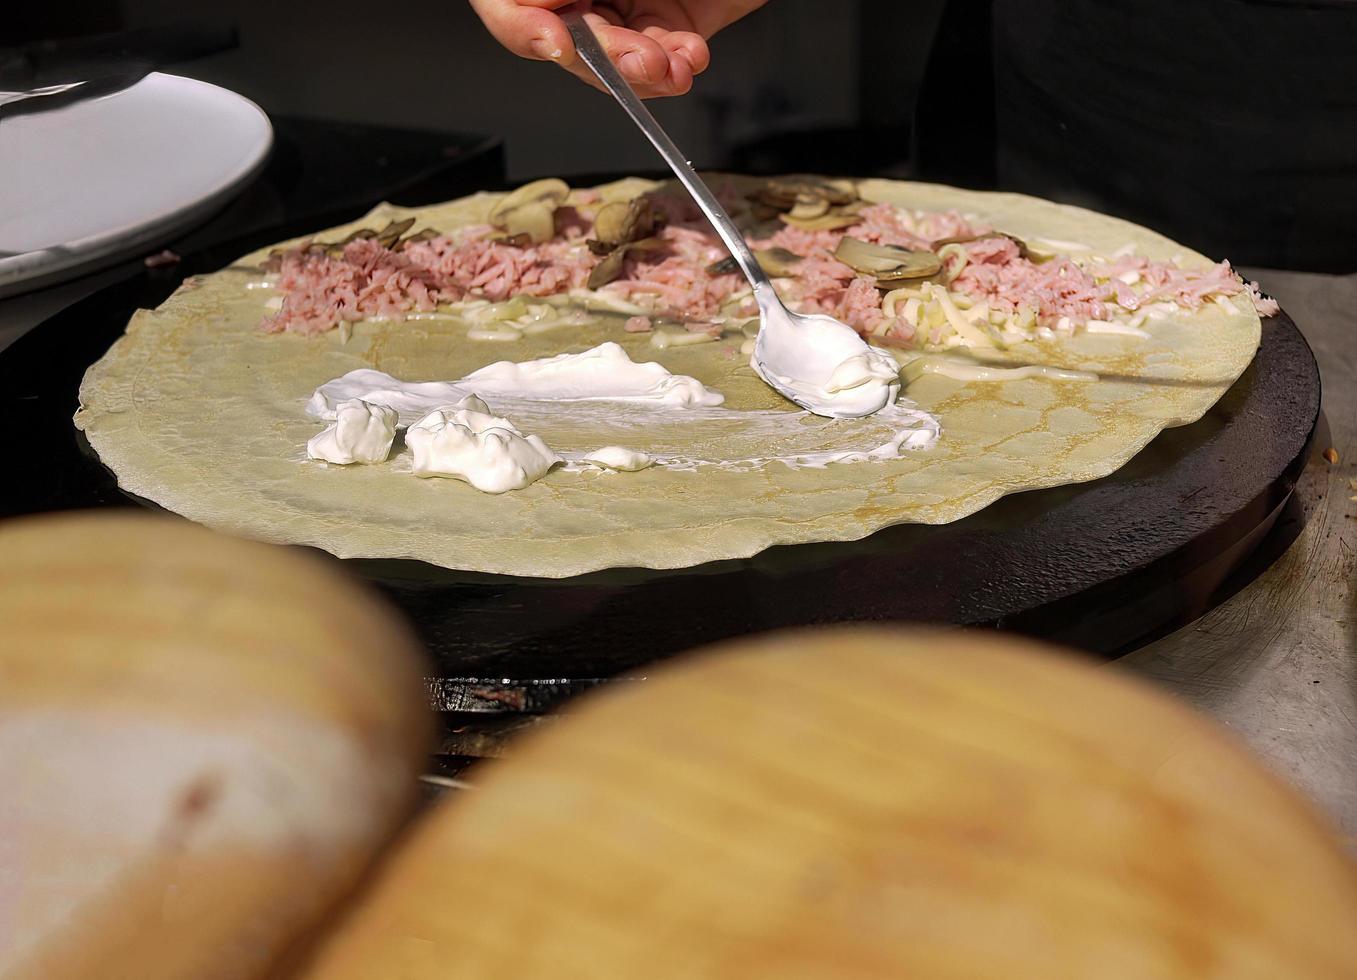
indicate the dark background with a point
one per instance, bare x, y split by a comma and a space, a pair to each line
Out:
430, 64
1230, 125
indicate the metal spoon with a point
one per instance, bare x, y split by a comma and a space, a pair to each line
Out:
815, 361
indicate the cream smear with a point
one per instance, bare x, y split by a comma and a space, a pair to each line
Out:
568, 401
603, 373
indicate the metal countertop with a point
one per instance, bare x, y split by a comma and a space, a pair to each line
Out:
1277, 661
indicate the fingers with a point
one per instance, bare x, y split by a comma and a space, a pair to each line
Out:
691, 47
528, 28
655, 61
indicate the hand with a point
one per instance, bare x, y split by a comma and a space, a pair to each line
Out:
658, 45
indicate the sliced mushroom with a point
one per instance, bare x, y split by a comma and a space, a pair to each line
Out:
611, 266
846, 191
531, 209
888, 263
391, 234
625, 221
536, 220
423, 235
337, 247
387, 237
551, 189
826, 222
782, 192
521, 240
356, 235
809, 206
770, 198
608, 269
1023, 250
610, 223
776, 262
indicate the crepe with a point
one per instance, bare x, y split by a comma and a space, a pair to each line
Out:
199, 410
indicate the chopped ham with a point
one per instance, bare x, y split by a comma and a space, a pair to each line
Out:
368, 280
1265, 305
1061, 290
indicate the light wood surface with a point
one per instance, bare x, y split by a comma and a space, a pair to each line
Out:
969, 807
203, 743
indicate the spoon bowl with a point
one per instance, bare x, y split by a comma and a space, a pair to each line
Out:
822, 364
815, 361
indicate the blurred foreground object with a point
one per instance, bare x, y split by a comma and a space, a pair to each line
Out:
203, 743
970, 806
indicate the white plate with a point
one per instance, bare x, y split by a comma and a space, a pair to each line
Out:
101, 179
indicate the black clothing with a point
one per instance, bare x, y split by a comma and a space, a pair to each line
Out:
1230, 125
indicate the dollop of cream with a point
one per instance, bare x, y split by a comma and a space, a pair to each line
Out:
488, 452
603, 373
824, 366
619, 458
361, 433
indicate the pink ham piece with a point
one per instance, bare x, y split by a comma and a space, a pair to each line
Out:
370, 281
996, 272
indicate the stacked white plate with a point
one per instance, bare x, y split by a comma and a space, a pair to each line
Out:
99, 180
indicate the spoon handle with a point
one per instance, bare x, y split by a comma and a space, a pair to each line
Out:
591, 53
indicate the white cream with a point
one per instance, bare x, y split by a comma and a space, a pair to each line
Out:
823, 365
453, 433
914, 430
619, 458
361, 433
488, 452
603, 373
907, 428
411, 400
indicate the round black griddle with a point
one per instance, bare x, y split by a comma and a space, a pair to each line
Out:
1100, 566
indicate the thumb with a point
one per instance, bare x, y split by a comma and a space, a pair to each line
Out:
527, 28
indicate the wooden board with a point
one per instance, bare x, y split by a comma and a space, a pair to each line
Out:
893, 804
